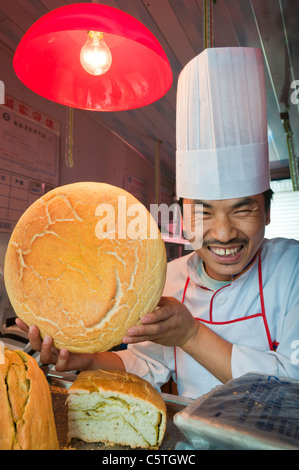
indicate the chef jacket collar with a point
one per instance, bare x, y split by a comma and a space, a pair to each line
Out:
195, 259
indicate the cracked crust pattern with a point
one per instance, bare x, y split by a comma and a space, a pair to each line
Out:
64, 274
27, 419
116, 407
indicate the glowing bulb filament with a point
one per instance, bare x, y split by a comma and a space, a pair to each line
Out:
95, 56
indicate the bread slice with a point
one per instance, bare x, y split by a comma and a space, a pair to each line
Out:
116, 407
27, 419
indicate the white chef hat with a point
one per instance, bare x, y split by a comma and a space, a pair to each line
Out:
222, 144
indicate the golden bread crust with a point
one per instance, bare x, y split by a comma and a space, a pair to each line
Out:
118, 382
27, 421
64, 274
7, 432
126, 386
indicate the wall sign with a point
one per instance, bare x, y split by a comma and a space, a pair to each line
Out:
29, 159
29, 142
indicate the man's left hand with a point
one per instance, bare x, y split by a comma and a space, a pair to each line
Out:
171, 324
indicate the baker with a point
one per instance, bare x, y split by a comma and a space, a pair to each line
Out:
230, 306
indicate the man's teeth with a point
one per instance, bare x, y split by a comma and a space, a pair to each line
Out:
225, 252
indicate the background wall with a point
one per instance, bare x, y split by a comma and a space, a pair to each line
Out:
98, 153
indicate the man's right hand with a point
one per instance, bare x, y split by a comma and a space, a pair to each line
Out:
63, 359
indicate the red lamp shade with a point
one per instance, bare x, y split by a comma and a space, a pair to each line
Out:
47, 60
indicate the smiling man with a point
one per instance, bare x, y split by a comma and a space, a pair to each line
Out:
231, 306
233, 232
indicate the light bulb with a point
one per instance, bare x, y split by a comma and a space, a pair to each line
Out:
95, 56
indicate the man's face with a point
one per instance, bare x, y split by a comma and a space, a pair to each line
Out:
233, 231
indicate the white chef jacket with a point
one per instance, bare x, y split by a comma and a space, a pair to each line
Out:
258, 313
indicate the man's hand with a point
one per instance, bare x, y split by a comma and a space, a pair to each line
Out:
171, 324
63, 359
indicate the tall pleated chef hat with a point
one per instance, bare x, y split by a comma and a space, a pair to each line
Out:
222, 144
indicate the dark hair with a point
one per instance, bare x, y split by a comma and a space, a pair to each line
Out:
268, 195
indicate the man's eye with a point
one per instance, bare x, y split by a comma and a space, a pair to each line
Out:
202, 215
243, 211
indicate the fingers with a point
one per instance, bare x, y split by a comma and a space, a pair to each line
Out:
22, 325
47, 350
154, 326
140, 338
48, 353
33, 334
170, 324
63, 360
163, 312
140, 331
146, 332
137, 339
34, 338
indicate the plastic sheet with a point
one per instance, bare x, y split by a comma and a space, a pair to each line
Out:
254, 411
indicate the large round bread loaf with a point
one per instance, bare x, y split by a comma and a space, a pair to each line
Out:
80, 279
27, 419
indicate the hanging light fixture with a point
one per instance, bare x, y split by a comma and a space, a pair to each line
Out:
95, 55
92, 56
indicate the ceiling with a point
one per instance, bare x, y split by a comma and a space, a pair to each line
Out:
271, 25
